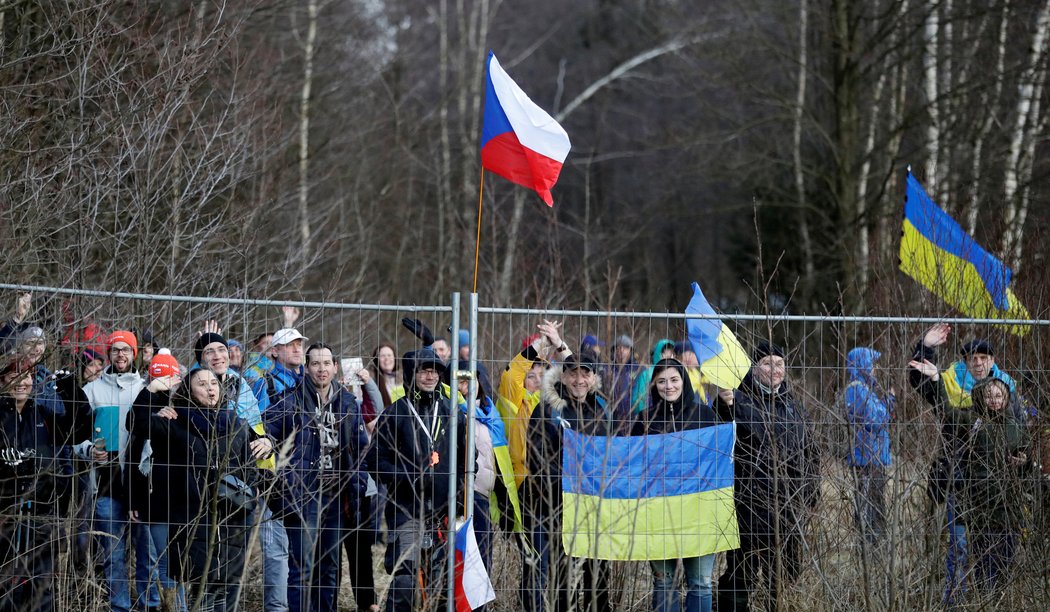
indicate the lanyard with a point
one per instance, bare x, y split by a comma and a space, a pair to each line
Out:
434, 428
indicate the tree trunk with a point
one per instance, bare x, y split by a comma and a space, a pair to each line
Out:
930, 86
304, 128
800, 180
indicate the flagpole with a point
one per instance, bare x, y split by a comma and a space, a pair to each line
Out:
477, 242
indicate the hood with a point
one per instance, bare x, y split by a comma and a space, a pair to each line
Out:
860, 362
551, 388
123, 379
659, 347
685, 402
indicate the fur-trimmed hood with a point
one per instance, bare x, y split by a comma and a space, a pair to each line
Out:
554, 395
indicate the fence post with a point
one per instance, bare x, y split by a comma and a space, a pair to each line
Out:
450, 586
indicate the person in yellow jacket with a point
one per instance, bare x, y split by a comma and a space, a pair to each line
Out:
519, 391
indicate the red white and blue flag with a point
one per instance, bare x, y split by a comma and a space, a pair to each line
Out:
519, 140
473, 587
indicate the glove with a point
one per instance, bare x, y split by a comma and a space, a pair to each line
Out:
420, 330
14, 457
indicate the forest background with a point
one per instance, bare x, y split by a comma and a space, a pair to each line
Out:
328, 150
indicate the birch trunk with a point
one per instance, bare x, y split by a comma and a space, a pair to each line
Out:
507, 274
863, 248
800, 179
933, 133
445, 180
304, 128
898, 99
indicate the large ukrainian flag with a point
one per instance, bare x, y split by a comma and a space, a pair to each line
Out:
938, 253
663, 496
723, 362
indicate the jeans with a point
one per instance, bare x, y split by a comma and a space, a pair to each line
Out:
993, 553
956, 558
111, 516
273, 540
870, 501
314, 540
698, 584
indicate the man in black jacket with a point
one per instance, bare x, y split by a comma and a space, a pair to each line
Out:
413, 452
776, 481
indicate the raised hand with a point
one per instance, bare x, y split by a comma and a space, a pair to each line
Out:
549, 330
289, 315
22, 306
927, 369
936, 335
211, 326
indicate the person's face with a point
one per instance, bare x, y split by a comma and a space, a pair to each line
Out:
623, 354
979, 364
770, 371
689, 360
321, 367
19, 385
386, 360
205, 388
93, 369
667, 353
578, 382
668, 384
534, 379
33, 351
995, 397
147, 353
216, 357
443, 350
596, 349
120, 356
464, 386
236, 356
290, 354
427, 379
263, 344
464, 352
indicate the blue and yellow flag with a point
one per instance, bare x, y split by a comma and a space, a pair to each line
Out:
937, 253
662, 496
723, 361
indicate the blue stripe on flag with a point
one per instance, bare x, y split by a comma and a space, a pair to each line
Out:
636, 467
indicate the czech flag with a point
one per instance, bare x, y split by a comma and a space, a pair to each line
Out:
519, 140
636, 498
723, 362
940, 255
473, 587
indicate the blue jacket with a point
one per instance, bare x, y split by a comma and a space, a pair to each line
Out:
868, 411
281, 379
293, 416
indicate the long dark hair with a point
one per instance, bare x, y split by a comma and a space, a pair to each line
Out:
183, 395
688, 398
377, 374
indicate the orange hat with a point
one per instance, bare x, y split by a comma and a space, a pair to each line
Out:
163, 364
125, 337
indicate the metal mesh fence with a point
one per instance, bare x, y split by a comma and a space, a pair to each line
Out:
833, 566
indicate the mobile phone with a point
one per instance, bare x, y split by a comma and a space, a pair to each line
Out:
351, 366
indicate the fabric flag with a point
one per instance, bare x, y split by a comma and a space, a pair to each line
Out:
519, 140
661, 496
473, 587
723, 362
488, 416
939, 254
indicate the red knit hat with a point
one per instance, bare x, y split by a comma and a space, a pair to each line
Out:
125, 337
163, 364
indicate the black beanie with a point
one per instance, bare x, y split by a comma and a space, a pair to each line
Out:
976, 346
765, 349
204, 341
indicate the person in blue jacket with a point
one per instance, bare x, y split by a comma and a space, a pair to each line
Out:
868, 410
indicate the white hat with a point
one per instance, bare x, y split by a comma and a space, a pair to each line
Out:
286, 335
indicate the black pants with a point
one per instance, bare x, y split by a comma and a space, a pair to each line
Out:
770, 555
26, 564
358, 546
210, 562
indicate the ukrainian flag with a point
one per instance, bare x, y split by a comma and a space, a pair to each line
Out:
723, 362
937, 253
663, 496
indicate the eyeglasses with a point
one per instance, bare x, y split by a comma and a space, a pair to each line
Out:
126, 350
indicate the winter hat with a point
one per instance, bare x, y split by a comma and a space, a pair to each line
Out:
590, 341
527, 341
204, 341
765, 349
126, 337
230, 343
147, 338
976, 346
423, 358
30, 334
623, 340
682, 347
163, 364
464, 338
88, 355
